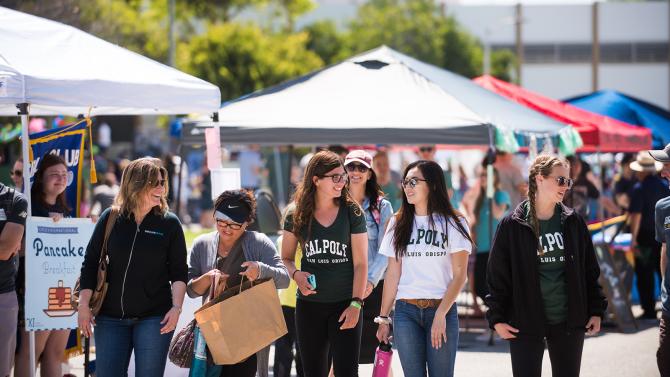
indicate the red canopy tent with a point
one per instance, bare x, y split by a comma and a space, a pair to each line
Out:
599, 133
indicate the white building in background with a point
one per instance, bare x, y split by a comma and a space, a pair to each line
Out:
557, 43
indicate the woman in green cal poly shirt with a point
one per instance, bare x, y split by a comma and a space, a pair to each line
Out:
330, 227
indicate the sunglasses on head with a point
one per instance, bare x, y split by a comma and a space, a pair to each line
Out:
562, 181
158, 182
337, 178
354, 167
17, 173
411, 182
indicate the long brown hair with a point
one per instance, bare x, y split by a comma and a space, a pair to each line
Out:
438, 204
37, 189
543, 165
305, 194
137, 178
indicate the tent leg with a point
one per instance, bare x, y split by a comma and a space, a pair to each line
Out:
278, 177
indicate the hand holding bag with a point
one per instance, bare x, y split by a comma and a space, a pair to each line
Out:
98, 296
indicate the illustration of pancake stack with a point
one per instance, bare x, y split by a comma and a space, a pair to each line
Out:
59, 301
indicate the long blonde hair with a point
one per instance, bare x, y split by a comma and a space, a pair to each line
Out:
138, 177
543, 165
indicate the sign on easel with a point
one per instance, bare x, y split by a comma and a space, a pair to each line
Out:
54, 254
613, 285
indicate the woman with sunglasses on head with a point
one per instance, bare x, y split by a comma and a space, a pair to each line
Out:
365, 190
330, 228
543, 277
47, 200
427, 244
146, 277
232, 252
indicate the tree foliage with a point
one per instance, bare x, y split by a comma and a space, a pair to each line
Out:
242, 58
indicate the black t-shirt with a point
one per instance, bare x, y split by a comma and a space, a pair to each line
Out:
47, 210
13, 209
643, 200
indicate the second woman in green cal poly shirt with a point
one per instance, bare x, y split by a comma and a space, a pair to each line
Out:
331, 230
543, 277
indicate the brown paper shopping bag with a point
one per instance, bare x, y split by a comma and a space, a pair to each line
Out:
241, 321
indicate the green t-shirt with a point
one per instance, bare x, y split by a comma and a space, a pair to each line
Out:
551, 265
327, 254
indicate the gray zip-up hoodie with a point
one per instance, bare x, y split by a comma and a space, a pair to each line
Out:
256, 247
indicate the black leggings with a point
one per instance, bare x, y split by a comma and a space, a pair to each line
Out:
246, 368
565, 352
319, 331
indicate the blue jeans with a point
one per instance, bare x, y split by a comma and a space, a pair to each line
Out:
411, 331
115, 340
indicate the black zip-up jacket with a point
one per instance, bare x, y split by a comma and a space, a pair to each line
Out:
143, 261
513, 279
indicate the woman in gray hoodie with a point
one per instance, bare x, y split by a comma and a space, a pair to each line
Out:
233, 252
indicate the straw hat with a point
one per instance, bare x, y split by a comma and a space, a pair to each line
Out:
645, 163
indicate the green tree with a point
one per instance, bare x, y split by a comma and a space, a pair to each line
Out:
242, 58
502, 64
327, 42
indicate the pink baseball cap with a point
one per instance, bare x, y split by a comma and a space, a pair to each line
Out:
360, 156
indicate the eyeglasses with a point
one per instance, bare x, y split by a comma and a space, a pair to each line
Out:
17, 173
158, 182
412, 182
425, 149
337, 178
224, 224
562, 181
354, 166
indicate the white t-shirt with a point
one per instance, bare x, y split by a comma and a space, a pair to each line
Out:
426, 267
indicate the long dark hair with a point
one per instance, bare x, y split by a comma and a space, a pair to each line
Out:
438, 204
37, 189
373, 191
305, 194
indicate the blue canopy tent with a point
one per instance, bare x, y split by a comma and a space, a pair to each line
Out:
630, 110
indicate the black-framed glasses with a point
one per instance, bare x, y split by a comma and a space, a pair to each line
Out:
337, 178
563, 181
354, 167
231, 225
411, 182
17, 173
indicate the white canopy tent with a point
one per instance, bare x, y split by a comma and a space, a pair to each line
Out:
381, 96
48, 68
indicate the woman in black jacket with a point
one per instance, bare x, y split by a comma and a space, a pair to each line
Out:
147, 276
542, 277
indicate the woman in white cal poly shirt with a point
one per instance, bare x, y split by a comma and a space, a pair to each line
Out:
428, 244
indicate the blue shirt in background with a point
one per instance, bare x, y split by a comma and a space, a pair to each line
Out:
482, 226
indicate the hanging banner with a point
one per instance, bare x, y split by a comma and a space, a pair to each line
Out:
54, 254
68, 143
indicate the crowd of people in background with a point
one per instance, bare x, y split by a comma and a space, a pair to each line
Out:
364, 249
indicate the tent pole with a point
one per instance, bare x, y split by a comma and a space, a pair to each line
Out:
23, 112
281, 196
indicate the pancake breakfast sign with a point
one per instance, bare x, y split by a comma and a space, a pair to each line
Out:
54, 254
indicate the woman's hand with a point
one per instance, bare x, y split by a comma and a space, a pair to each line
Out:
505, 331
593, 326
85, 320
368, 289
300, 278
56, 217
383, 332
253, 270
170, 320
438, 331
350, 317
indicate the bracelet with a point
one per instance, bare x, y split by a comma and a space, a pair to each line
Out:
293, 274
177, 307
356, 305
383, 320
358, 300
